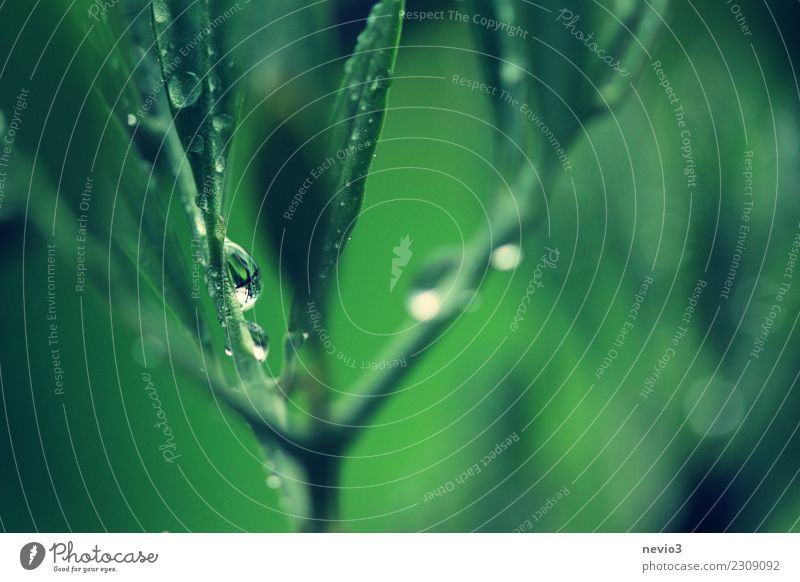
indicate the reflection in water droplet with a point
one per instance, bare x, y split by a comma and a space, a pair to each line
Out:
260, 340
424, 305
506, 257
184, 89
245, 274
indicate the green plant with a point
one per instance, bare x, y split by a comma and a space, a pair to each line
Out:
194, 136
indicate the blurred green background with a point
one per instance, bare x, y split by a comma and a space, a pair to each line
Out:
713, 447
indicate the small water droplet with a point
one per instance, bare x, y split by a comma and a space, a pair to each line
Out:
244, 273
424, 305
213, 82
184, 89
221, 122
506, 257
296, 339
160, 11
510, 73
260, 341
274, 482
198, 145
219, 165
432, 284
130, 119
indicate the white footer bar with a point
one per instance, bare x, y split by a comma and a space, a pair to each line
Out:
390, 557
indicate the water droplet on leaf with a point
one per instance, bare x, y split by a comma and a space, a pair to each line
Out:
160, 11
431, 285
510, 73
198, 145
131, 120
222, 121
245, 274
184, 89
506, 257
260, 341
424, 305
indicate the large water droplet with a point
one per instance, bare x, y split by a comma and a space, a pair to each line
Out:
245, 274
184, 89
506, 257
260, 339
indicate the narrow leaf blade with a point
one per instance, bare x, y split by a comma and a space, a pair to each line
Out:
358, 121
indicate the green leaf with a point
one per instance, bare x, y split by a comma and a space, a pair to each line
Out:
200, 82
357, 122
